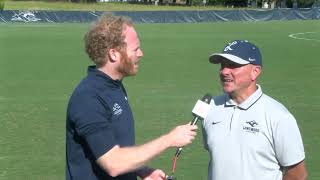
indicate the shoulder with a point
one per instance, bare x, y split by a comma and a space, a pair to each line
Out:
87, 95
273, 105
91, 87
275, 111
83, 91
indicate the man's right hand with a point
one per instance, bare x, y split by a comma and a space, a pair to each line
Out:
120, 160
182, 135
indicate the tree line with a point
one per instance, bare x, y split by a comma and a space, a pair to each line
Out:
224, 3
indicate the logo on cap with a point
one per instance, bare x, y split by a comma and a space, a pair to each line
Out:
228, 48
251, 59
240, 52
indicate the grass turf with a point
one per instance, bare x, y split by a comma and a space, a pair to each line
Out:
40, 64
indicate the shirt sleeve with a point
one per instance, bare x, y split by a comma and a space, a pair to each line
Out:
92, 122
288, 142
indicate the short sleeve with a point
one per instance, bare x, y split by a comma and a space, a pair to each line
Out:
92, 122
288, 142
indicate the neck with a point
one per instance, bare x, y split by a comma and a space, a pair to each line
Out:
242, 95
111, 72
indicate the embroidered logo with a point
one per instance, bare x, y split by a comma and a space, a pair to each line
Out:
117, 110
252, 128
251, 59
214, 123
228, 48
252, 123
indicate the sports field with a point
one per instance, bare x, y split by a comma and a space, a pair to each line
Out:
40, 64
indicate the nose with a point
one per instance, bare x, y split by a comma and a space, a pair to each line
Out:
140, 53
224, 70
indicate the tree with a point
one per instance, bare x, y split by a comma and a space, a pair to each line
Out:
2, 2
188, 2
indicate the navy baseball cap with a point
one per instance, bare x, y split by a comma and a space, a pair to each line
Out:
240, 52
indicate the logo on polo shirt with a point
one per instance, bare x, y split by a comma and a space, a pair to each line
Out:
252, 123
252, 128
117, 110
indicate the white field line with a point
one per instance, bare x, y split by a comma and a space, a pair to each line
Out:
295, 36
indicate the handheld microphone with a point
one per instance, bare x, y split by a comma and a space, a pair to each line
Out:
199, 112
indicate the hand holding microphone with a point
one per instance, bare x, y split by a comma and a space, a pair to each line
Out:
200, 111
185, 134
182, 135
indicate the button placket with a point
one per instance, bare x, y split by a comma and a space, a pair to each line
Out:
234, 117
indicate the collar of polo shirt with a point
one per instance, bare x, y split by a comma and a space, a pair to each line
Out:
248, 102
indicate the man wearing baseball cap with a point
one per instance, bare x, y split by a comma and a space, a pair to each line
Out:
249, 135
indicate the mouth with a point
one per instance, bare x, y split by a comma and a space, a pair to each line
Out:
137, 62
136, 65
226, 80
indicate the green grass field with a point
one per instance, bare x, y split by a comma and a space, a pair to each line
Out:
40, 64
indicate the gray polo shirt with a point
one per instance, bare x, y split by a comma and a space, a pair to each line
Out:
252, 140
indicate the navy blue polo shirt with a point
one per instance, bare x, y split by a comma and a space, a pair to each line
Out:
98, 118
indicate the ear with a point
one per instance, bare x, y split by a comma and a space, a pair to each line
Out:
256, 71
114, 55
